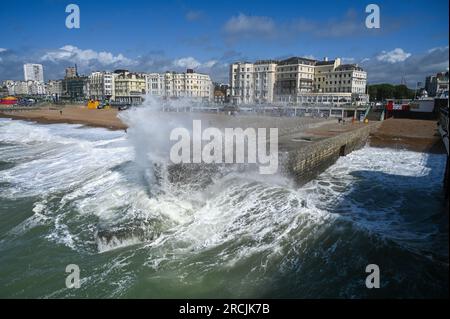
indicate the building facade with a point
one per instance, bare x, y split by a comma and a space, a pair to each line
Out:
155, 84
187, 84
437, 84
33, 72
54, 88
75, 88
36, 87
3, 91
264, 80
129, 87
221, 93
298, 80
102, 85
294, 77
71, 72
25, 87
241, 82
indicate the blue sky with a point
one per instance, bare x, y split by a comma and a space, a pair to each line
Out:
207, 35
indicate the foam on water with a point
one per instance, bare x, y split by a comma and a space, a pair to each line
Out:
92, 199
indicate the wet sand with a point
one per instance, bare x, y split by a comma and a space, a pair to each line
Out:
70, 114
109, 118
414, 135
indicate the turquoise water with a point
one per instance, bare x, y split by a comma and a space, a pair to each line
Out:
76, 195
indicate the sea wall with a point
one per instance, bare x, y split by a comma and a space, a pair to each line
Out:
311, 160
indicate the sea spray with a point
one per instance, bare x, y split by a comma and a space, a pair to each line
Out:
148, 132
239, 235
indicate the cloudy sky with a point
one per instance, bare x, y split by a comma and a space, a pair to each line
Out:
156, 36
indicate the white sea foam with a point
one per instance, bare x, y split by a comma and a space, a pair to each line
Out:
99, 173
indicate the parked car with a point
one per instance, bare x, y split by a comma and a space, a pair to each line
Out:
124, 107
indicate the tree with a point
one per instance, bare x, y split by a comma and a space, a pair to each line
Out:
383, 91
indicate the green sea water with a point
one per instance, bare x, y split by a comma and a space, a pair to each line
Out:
76, 195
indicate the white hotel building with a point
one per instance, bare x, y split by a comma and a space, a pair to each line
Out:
253, 82
102, 85
187, 84
299, 81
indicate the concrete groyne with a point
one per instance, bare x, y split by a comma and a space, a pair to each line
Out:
310, 160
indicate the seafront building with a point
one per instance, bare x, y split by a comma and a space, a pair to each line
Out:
3, 91
155, 84
75, 88
186, 84
54, 88
129, 87
298, 80
102, 85
33, 83
25, 87
253, 82
33, 72
221, 93
436, 84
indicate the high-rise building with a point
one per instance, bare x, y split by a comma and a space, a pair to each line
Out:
33, 72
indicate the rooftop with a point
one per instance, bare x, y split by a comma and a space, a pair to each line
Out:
297, 60
347, 67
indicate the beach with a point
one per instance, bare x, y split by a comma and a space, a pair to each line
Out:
71, 114
414, 135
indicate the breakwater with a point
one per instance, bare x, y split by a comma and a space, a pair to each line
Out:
312, 159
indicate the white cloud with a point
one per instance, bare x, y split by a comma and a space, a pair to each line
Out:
209, 64
394, 56
243, 27
309, 56
437, 49
243, 24
85, 57
414, 68
188, 62
192, 63
2, 50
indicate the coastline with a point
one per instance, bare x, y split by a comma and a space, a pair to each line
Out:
409, 134
70, 115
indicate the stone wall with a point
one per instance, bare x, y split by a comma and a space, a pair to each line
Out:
311, 160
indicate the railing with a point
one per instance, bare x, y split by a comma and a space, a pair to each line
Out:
367, 111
